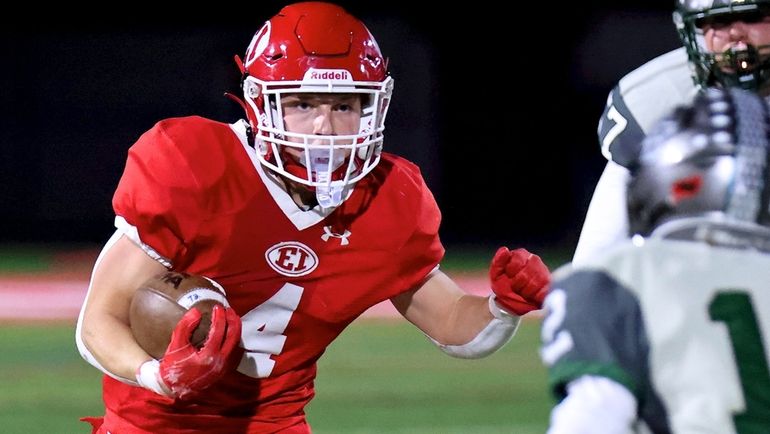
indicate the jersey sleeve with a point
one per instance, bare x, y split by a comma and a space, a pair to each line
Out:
639, 99
593, 326
423, 250
620, 135
606, 221
155, 193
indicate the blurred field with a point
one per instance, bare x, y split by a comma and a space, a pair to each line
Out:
385, 377
380, 376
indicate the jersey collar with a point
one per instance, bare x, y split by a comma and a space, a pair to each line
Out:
302, 219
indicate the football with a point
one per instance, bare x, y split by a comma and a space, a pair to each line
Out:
160, 302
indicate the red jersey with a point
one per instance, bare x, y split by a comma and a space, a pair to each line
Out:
198, 197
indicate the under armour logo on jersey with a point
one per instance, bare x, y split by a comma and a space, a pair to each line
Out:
329, 234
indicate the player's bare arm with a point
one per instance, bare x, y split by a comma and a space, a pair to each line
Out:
469, 326
443, 311
122, 268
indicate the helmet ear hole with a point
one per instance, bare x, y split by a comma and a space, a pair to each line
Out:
251, 89
686, 188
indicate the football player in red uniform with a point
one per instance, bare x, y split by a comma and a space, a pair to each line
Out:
303, 220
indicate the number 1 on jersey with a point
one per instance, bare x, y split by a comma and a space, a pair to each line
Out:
734, 309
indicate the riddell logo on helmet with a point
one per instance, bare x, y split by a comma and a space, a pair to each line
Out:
327, 74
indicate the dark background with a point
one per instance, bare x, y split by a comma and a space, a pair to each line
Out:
498, 106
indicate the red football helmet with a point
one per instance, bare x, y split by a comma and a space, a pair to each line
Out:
316, 47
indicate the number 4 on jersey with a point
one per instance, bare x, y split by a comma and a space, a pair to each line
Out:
263, 329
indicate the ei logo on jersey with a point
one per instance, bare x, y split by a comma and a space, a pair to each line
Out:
291, 258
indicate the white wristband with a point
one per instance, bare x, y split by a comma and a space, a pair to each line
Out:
500, 313
148, 376
496, 334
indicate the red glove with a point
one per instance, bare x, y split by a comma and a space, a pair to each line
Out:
519, 280
185, 370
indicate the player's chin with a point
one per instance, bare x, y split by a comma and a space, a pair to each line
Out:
305, 193
300, 187
306, 188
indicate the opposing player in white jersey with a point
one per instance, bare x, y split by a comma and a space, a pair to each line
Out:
726, 44
667, 331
